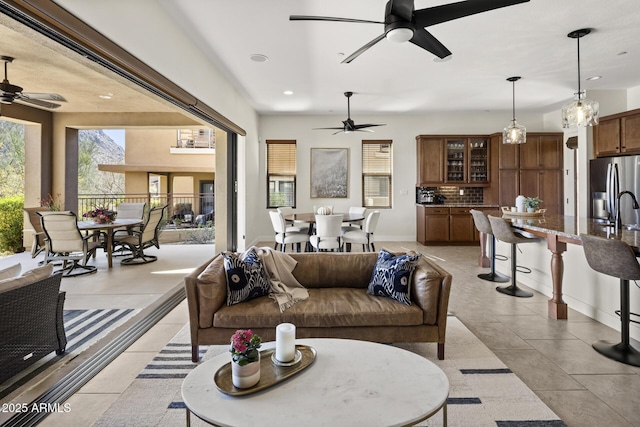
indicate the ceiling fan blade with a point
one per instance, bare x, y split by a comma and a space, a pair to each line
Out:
363, 130
360, 51
44, 96
330, 18
402, 8
427, 41
38, 102
448, 12
335, 128
368, 125
340, 131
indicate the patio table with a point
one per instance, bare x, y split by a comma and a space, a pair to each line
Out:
109, 229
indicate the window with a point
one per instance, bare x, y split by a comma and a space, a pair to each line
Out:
281, 173
376, 174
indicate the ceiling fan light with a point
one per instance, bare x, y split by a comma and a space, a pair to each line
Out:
514, 134
581, 112
399, 35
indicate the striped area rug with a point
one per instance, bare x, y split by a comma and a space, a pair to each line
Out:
83, 329
483, 391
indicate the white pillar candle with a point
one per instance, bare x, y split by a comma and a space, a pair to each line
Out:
285, 342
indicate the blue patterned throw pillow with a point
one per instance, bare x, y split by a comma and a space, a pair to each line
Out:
246, 278
392, 276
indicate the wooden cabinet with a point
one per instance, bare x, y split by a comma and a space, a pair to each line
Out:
453, 160
461, 226
537, 173
617, 134
430, 155
441, 224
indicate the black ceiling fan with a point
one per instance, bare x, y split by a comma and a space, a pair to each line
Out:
10, 93
348, 125
403, 23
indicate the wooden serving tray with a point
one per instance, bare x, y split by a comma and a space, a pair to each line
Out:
270, 374
506, 210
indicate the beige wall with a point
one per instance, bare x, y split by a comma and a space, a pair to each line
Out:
151, 147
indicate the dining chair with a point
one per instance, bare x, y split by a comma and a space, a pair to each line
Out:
327, 236
355, 225
64, 242
362, 237
138, 241
285, 235
299, 226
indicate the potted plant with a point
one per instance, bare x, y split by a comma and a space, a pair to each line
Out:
245, 358
532, 203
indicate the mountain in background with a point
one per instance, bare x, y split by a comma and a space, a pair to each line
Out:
95, 148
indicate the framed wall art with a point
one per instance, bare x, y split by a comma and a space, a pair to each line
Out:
329, 172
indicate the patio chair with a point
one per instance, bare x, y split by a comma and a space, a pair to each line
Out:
128, 210
38, 244
140, 240
64, 242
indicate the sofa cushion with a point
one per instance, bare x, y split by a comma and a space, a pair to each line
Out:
334, 270
391, 276
328, 307
11, 271
246, 278
27, 278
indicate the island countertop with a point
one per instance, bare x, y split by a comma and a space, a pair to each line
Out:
560, 230
568, 228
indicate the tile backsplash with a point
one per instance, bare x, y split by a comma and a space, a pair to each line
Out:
471, 194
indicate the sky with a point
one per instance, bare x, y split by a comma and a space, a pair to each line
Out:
116, 134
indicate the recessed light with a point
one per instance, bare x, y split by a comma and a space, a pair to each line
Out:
106, 96
445, 59
288, 92
594, 78
258, 57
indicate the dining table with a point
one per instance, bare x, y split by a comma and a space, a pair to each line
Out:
109, 229
311, 218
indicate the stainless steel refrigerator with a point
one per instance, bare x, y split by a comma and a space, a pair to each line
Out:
608, 177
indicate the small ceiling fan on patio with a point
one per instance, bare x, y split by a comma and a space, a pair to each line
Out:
348, 125
403, 23
10, 93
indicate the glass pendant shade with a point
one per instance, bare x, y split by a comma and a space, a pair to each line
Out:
581, 112
514, 133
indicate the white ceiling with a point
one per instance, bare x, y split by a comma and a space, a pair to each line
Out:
529, 40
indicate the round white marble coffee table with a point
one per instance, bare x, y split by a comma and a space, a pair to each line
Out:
350, 383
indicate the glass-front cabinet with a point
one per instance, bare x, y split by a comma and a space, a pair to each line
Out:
478, 160
467, 161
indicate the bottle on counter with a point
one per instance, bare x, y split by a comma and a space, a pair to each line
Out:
520, 203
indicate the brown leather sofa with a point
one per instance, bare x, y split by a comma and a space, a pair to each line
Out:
338, 305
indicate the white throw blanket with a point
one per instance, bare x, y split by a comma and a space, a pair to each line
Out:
285, 289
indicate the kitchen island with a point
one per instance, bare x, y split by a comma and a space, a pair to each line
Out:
558, 231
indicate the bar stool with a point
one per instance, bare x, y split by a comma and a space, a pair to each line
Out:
615, 258
503, 232
484, 226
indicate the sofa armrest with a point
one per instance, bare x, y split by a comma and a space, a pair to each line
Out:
206, 289
430, 288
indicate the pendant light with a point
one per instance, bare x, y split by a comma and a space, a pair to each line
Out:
514, 133
582, 111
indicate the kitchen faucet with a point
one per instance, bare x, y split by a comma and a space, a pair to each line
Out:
635, 206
